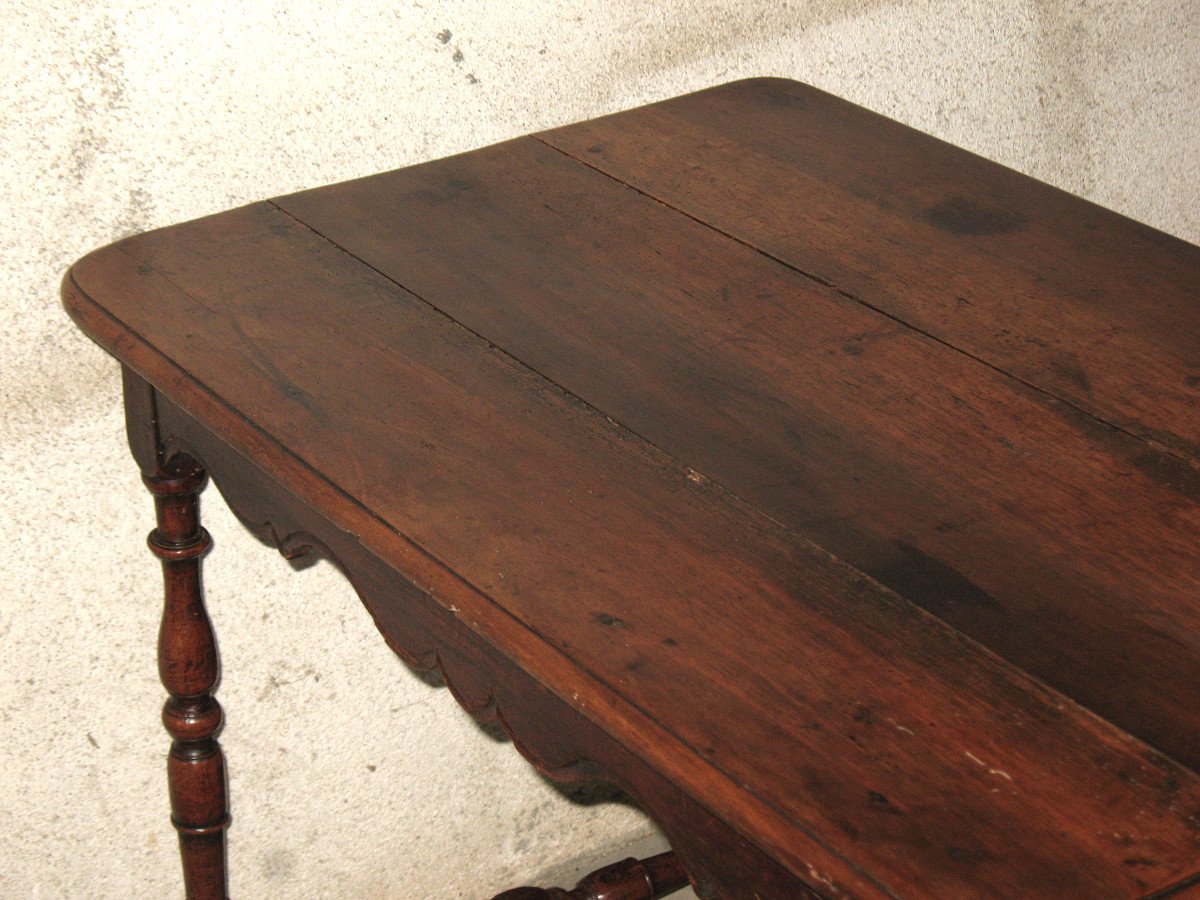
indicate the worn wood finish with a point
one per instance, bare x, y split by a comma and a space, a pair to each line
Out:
595, 438
629, 879
560, 742
1084, 304
1065, 545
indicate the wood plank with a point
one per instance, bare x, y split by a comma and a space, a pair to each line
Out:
887, 740
1064, 545
1090, 306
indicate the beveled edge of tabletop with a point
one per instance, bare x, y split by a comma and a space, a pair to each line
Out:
175, 382
587, 694
595, 699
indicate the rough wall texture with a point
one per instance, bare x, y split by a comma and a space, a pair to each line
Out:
351, 778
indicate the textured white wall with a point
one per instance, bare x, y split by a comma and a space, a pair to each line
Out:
351, 778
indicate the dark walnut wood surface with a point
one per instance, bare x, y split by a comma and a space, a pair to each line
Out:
847, 481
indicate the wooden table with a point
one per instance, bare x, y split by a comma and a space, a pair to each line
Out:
830, 489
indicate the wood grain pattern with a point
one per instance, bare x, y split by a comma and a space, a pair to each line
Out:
560, 742
696, 447
1063, 544
862, 745
188, 666
1085, 304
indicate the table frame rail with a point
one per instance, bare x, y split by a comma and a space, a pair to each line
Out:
174, 451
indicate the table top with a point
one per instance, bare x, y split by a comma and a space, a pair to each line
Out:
849, 479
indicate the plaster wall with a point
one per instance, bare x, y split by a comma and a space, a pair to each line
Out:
349, 776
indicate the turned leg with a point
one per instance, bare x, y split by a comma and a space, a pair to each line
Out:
629, 879
187, 664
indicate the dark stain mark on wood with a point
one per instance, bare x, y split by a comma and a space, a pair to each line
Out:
1190, 449
959, 215
454, 189
1139, 861
930, 582
603, 618
960, 855
277, 376
1068, 365
1171, 472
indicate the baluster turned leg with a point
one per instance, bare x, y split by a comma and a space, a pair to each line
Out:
187, 664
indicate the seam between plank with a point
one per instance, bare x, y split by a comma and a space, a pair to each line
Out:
747, 507
681, 464
487, 597
824, 282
